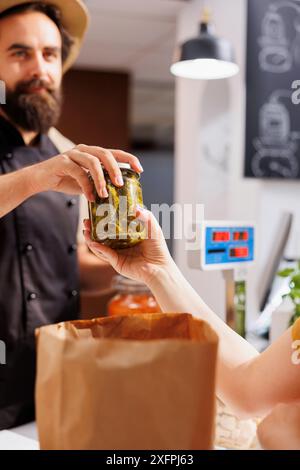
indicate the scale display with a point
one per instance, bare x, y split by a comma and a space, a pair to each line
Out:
227, 245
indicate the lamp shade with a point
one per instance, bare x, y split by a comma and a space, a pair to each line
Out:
205, 57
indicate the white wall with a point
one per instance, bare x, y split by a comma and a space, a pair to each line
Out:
210, 131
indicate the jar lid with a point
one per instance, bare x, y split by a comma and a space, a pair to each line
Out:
123, 284
122, 166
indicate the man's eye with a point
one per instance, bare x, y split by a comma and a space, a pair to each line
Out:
50, 55
20, 54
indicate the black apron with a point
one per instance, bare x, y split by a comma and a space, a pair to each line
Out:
39, 278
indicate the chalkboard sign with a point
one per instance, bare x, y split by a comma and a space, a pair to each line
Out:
273, 67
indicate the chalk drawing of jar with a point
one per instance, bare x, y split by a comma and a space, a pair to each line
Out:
275, 55
276, 147
296, 42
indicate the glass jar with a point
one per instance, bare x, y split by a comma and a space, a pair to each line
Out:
113, 219
131, 297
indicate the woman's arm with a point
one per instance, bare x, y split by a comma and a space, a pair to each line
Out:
248, 382
280, 430
251, 384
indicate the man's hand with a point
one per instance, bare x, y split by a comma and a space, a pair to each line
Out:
141, 261
280, 430
68, 172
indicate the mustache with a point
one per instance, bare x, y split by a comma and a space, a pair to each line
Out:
26, 86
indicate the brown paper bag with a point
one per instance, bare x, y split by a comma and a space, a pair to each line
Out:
139, 382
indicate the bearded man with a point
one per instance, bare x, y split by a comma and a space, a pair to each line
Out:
39, 188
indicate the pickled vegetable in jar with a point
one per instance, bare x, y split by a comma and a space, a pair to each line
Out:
131, 297
113, 219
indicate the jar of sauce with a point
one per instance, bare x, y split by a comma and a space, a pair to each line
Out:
131, 297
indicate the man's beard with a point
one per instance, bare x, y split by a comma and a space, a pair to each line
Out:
36, 112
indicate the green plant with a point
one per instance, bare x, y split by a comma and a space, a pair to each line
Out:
294, 285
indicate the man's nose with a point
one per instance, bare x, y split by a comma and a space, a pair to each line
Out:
38, 66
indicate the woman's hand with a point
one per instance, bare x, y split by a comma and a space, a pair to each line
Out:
68, 172
142, 261
280, 430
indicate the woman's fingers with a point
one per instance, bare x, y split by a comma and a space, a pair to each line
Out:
153, 230
89, 243
87, 224
98, 249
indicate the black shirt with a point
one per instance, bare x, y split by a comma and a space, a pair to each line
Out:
39, 280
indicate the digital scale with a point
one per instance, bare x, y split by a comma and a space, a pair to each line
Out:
228, 247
